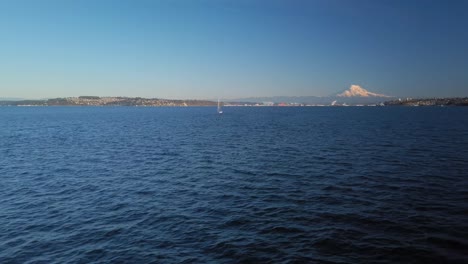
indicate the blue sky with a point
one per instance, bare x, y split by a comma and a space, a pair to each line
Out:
232, 48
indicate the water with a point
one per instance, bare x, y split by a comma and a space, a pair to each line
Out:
254, 185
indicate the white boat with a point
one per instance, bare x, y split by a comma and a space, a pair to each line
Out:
220, 111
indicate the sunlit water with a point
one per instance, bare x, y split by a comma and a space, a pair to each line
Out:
254, 185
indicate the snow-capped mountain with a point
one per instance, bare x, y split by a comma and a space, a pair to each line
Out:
354, 95
358, 91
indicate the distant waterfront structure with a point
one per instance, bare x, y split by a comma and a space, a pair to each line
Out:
429, 102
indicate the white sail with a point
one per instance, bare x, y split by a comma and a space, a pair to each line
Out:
220, 111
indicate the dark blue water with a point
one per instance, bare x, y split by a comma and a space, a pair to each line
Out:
254, 185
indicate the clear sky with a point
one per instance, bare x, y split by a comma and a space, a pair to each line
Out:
232, 48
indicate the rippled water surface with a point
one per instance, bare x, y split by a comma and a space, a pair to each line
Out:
254, 185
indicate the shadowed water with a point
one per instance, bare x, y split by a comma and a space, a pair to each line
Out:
254, 185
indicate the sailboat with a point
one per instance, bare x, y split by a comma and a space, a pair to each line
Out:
220, 111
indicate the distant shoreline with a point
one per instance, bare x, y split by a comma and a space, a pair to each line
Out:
156, 102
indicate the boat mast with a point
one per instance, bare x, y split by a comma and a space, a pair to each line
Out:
219, 107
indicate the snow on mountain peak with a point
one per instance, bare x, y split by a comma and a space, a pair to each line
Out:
358, 91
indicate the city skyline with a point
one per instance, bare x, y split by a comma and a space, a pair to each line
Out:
232, 49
